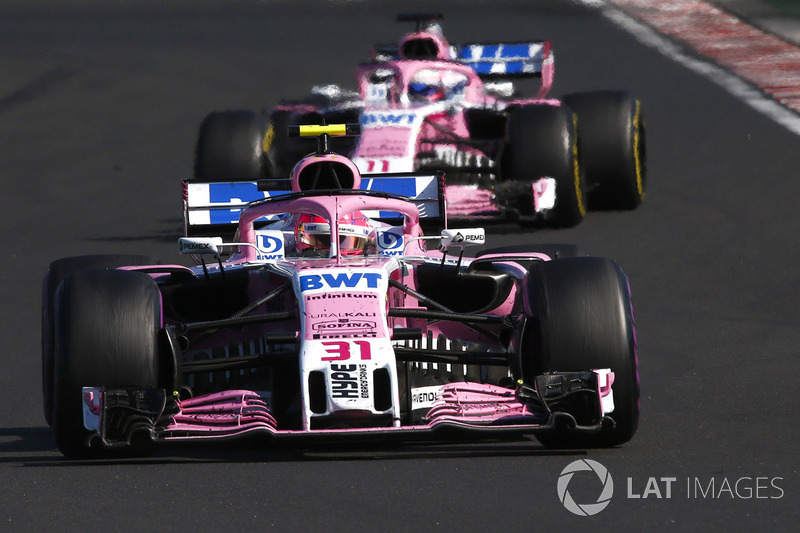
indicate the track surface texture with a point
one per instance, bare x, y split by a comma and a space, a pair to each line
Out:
99, 107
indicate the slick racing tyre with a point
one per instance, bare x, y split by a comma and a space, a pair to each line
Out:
59, 270
612, 133
106, 324
233, 146
583, 320
542, 141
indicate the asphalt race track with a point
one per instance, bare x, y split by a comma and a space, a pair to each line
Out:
99, 107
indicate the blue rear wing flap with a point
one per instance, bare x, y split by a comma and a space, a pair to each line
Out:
213, 207
506, 60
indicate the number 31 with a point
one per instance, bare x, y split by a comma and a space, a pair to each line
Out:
341, 350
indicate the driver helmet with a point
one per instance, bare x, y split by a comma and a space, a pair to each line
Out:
313, 232
426, 86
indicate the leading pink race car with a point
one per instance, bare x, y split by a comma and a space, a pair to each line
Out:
330, 315
425, 104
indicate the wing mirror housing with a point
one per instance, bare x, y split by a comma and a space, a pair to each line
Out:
463, 237
200, 245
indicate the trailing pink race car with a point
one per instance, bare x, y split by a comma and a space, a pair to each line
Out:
428, 105
331, 315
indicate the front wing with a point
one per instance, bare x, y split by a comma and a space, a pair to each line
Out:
579, 401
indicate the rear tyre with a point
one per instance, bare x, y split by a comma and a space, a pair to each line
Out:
542, 141
233, 146
612, 133
584, 320
106, 324
59, 270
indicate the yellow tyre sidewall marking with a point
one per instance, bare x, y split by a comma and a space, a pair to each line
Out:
576, 166
269, 136
637, 117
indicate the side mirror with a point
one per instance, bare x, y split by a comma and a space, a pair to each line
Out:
200, 245
463, 237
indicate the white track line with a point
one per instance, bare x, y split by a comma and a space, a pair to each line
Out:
705, 66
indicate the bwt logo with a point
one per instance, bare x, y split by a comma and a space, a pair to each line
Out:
388, 119
585, 509
350, 281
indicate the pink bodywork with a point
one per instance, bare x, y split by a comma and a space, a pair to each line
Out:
395, 129
405, 68
465, 404
468, 200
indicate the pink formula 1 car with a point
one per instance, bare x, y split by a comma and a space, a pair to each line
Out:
428, 105
330, 315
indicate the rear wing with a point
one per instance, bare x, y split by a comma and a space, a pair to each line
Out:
507, 60
490, 60
213, 208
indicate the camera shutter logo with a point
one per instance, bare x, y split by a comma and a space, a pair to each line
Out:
586, 509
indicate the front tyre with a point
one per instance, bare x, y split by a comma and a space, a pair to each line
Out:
55, 274
583, 320
106, 335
